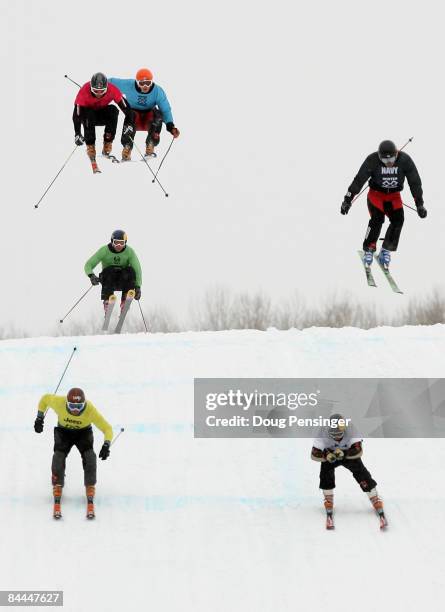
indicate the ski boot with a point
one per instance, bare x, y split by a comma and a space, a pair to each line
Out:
377, 504
329, 507
126, 153
150, 148
90, 491
385, 258
91, 152
57, 493
367, 258
107, 148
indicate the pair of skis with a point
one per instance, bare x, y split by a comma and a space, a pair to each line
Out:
124, 311
90, 515
115, 160
370, 277
331, 525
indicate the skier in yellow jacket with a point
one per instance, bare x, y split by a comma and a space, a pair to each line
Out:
75, 417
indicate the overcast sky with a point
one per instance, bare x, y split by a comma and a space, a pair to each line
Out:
278, 104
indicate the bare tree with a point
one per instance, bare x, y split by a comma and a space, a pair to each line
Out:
219, 309
251, 311
215, 313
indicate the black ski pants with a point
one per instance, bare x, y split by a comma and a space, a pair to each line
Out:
64, 440
90, 117
114, 279
396, 218
149, 121
360, 473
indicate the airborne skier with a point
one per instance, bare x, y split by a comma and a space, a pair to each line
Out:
121, 271
75, 417
386, 170
149, 108
337, 446
92, 107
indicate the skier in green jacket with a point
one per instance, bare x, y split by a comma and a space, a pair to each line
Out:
121, 270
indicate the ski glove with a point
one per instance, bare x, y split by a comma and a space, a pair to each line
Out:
330, 457
421, 211
137, 293
105, 450
79, 139
339, 454
38, 424
173, 130
347, 203
94, 279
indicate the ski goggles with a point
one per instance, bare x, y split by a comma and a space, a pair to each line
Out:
388, 160
99, 92
145, 83
75, 407
117, 242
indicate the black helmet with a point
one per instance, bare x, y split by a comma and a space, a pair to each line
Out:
336, 431
99, 82
118, 235
387, 152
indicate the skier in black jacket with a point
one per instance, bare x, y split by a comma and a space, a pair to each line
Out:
386, 170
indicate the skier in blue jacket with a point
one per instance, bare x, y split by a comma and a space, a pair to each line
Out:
149, 109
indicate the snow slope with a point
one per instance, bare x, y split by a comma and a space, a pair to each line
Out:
221, 525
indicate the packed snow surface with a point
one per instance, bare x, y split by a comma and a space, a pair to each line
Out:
222, 525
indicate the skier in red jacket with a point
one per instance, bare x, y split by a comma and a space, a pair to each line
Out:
92, 107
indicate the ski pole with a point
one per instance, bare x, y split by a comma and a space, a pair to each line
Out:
407, 206
143, 318
49, 186
66, 368
162, 160
149, 167
366, 186
63, 374
407, 143
114, 439
73, 307
70, 79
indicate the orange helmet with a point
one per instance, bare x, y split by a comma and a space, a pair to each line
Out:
144, 74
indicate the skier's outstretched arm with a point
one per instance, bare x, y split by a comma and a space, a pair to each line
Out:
414, 182
317, 454
44, 404
354, 451
355, 187
360, 178
94, 260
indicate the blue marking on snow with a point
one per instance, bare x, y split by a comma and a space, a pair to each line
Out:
130, 388
141, 428
162, 503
